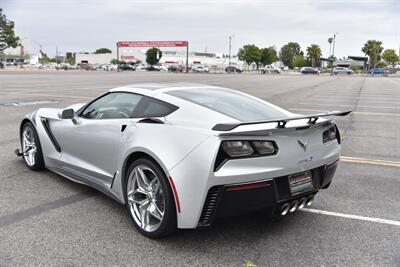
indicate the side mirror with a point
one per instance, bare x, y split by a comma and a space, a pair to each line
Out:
68, 114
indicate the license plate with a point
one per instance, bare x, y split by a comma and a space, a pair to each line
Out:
299, 183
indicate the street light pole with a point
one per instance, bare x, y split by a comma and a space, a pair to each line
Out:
333, 50
117, 56
230, 49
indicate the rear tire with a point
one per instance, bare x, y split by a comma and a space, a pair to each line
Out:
31, 147
149, 199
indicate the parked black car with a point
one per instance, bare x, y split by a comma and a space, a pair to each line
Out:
126, 67
175, 69
152, 68
233, 69
1, 65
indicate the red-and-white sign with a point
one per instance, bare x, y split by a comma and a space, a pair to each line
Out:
123, 57
152, 44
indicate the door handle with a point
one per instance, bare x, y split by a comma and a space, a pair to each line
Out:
123, 127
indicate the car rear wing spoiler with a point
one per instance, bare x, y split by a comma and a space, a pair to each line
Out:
281, 123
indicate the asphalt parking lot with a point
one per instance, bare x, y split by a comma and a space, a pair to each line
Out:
48, 220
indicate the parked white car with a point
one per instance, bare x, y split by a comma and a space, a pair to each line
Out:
342, 70
270, 69
200, 68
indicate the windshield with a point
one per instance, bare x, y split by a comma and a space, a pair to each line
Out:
235, 105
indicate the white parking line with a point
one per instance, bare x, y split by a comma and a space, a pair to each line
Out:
379, 101
344, 105
354, 112
351, 216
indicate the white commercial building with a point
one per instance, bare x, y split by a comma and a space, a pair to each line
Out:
169, 57
94, 58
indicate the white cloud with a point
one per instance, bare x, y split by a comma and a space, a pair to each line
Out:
88, 24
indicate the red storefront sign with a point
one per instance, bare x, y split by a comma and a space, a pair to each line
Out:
127, 57
152, 44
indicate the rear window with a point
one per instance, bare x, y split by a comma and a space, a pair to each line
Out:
230, 103
156, 108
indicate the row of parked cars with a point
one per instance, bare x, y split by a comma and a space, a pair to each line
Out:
343, 70
198, 68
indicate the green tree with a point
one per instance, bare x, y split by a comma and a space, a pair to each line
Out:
70, 58
300, 61
249, 54
268, 55
314, 53
114, 61
7, 35
390, 56
373, 49
153, 55
381, 64
103, 51
288, 52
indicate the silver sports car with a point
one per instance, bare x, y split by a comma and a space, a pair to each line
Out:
182, 155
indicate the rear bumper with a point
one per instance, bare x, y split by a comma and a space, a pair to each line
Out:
269, 196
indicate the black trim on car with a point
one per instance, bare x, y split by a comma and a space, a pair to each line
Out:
53, 140
208, 213
151, 120
267, 196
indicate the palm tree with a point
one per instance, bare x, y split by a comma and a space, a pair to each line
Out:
373, 49
314, 53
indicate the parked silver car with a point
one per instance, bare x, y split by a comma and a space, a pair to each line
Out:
342, 70
182, 155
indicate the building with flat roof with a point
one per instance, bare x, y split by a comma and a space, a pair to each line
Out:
169, 57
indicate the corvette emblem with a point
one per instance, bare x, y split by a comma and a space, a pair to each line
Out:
303, 145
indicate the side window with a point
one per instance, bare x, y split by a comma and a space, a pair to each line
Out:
157, 108
112, 106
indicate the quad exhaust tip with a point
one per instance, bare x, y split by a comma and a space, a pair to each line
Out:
310, 200
297, 204
294, 206
285, 209
302, 203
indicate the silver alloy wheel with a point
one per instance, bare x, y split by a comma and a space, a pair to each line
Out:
29, 146
145, 198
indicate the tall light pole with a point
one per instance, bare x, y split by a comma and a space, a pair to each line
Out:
333, 50
330, 40
230, 48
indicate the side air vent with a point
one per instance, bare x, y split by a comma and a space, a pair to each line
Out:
53, 140
210, 206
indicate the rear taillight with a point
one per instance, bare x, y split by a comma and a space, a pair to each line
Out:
236, 149
331, 134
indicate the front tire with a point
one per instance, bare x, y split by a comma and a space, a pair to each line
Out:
31, 148
149, 199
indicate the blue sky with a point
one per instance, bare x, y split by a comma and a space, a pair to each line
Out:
84, 25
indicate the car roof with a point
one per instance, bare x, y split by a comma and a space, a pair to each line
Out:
151, 89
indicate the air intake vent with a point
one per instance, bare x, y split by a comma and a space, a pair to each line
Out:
210, 206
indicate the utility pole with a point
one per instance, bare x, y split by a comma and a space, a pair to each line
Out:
333, 51
187, 56
330, 40
117, 56
57, 56
230, 49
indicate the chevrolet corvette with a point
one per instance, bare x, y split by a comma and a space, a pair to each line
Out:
183, 155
